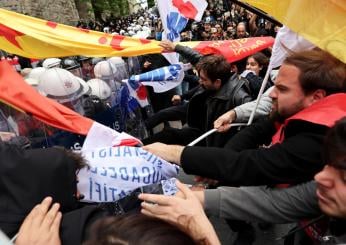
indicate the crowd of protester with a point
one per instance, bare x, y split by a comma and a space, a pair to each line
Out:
220, 22
298, 141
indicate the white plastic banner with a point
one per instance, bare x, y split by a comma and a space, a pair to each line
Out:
115, 172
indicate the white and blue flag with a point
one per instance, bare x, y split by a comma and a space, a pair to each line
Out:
174, 15
161, 79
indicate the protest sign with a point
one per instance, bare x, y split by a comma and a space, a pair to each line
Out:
114, 172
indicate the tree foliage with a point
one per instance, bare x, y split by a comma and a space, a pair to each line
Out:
115, 7
151, 3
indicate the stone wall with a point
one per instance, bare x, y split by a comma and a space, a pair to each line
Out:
61, 11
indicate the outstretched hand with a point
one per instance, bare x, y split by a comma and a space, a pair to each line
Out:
41, 226
184, 211
170, 153
223, 123
167, 46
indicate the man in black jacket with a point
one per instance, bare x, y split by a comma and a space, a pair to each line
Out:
308, 98
218, 92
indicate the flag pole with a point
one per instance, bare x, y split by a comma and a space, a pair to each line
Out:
260, 93
211, 131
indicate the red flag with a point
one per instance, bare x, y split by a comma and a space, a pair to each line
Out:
234, 50
17, 93
187, 9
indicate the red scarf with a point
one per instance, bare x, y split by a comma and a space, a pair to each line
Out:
324, 112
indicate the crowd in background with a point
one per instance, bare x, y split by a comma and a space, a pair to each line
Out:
220, 22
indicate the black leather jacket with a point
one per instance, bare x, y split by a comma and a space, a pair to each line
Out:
205, 107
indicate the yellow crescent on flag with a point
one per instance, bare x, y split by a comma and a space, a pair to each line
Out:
322, 22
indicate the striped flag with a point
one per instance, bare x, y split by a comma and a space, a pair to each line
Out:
161, 79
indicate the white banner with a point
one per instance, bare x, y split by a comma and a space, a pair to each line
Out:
102, 136
114, 172
287, 42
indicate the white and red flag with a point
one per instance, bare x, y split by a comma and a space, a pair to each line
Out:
174, 15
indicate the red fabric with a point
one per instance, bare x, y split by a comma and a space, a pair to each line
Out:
17, 93
315, 231
324, 112
187, 9
234, 50
10, 35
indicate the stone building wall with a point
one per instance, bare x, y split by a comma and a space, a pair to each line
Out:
61, 11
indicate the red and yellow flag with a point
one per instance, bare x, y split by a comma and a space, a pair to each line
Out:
36, 38
322, 22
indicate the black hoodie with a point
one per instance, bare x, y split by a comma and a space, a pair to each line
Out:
27, 177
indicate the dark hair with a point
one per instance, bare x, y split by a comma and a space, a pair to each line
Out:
79, 161
262, 61
319, 70
215, 67
334, 150
135, 229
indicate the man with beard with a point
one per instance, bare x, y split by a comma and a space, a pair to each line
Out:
219, 91
322, 200
307, 100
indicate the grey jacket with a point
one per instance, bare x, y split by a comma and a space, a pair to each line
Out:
263, 204
244, 111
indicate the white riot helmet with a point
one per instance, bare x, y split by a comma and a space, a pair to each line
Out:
116, 61
96, 60
100, 89
86, 87
121, 68
35, 73
51, 63
106, 71
72, 66
25, 72
63, 87
32, 82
